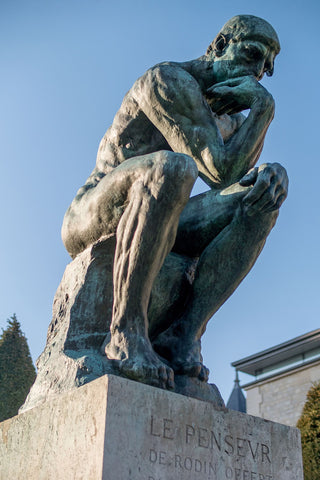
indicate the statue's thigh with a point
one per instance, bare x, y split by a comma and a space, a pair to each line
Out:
115, 191
99, 210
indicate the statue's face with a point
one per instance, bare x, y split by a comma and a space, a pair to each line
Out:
245, 57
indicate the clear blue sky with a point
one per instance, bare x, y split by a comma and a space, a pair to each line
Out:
65, 67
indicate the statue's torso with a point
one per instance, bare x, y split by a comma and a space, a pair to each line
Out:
133, 134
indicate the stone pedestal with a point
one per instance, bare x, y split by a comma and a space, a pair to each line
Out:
117, 429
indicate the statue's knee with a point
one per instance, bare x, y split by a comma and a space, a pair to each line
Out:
179, 170
186, 166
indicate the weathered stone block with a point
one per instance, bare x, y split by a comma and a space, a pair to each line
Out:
116, 429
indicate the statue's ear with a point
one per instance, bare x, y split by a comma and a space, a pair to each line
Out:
219, 44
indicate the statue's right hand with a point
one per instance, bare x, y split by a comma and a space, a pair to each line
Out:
237, 94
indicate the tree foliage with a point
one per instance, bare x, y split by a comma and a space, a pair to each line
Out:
309, 425
17, 372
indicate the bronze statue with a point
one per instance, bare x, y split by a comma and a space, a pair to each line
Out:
178, 121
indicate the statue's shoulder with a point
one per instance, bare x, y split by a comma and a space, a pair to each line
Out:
168, 68
169, 78
172, 72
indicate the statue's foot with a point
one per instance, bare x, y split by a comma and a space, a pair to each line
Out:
183, 356
137, 360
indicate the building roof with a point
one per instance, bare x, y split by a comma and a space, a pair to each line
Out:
288, 355
237, 400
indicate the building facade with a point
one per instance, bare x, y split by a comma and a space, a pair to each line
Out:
283, 375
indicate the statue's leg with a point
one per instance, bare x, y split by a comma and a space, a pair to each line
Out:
140, 201
237, 240
159, 186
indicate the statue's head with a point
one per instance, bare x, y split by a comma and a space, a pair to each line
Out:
246, 45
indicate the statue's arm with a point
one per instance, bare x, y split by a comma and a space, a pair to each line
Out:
173, 101
243, 149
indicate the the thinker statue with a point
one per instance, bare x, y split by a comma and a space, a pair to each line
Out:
178, 121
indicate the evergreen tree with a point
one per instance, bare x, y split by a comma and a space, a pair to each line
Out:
309, 425
17, 372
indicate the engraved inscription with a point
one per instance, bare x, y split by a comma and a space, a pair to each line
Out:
182, 463
241, 447
206, 448
199, 465
164, 428
238, 474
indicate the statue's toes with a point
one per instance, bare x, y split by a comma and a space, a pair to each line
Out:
169, 377
131, 371
162, 377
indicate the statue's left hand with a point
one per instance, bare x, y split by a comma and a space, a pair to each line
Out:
270, 188
238, 94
